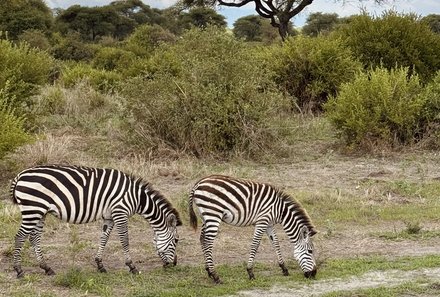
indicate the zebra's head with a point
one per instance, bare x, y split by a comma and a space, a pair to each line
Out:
165, 240
304, 251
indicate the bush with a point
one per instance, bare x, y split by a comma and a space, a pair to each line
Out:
99, 79
72, 47
202, 99
146, 38
25, 69
393, 40
110, 58
12, 133
35, 39
311, 69
380, 106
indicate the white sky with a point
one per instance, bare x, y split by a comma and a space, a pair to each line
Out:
420, 7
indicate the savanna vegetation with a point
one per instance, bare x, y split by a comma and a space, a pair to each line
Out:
344, 115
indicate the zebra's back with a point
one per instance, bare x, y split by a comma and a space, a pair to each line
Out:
74, 194
239, 202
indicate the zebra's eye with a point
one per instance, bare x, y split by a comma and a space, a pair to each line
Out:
310, 251
176, 240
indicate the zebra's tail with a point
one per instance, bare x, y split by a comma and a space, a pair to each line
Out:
192, 214
12, 190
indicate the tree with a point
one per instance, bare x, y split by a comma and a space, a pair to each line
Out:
17, 16
319, 22
280, 12
201, 17
248, 28
433, 21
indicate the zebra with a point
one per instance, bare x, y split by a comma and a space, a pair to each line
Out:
241, 202
77, 195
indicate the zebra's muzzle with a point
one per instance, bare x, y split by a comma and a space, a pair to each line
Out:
169, 264
310, 274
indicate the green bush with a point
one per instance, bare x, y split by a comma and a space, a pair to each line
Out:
146, 38
311, 69
12, 133
380, 107
100, 79
110, 58
202, 99
72, 47
393, 40
25, 69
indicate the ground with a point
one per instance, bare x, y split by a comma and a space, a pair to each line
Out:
391, 182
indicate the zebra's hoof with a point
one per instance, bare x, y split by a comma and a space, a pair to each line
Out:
20, 274
250, 272
102, 270
134, 271
50, 272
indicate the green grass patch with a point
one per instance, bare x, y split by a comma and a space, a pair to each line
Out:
193, 280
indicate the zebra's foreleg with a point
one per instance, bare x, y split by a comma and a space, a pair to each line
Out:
258, 234
35, 239
20, 238
121, 224
276, 245
207, 236
106, 230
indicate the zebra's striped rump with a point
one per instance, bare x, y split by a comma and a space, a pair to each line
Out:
81, 195
241, 202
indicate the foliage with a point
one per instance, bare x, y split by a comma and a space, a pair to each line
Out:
35, 39
201, 17
393, 40
100, 79
12, 133
25, 69
110, 58
311, 69
118, 19
201, 99
17, 16
257, 28
380, 107
433, 21
319, 23
71, 47
145, 39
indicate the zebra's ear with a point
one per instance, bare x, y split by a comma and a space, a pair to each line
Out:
312, 232
172, 220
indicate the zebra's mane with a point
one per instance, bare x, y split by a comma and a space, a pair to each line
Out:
297, 208
158, 195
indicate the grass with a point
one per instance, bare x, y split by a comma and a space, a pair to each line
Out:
184, 280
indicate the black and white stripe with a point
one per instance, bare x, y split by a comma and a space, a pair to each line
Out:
79, 195
242, 202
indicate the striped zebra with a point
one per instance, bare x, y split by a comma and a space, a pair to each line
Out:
241, 203
79, 195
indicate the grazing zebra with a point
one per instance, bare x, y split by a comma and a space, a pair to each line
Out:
241, 203
81, 195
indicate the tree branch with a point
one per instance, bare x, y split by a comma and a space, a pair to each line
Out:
299, 8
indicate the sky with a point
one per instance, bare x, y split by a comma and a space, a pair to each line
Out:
342, 8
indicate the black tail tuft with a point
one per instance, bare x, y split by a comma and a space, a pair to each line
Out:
192, 214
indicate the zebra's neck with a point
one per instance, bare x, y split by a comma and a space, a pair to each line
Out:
293, 217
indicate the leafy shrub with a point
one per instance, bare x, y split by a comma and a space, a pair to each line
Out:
393, 40
431, 113
110, 58
100, 79
380, 106
311, 69
25, 69
202, 99
12, 133
72, 47
146, 38
35, 39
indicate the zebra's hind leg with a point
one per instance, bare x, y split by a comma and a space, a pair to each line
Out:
35, 239
20, 238
207, 236
276, 245
260, 228
106, 230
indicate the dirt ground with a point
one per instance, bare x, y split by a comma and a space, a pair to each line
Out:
233, 243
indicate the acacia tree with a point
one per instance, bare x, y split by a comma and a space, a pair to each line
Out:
280, 12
